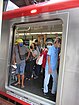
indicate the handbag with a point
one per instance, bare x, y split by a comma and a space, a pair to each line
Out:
39, 60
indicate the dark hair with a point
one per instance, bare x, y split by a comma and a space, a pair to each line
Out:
31, 47
36, 40
45, 46
59, 40
34, 45
41, 50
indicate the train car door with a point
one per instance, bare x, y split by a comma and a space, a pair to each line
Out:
38, 28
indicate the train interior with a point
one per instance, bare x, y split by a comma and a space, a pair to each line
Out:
30, 32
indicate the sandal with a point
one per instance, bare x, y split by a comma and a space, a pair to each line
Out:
17, 84
22, 86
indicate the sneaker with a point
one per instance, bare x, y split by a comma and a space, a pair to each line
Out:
35, 77
29, 79
32, 76
53, 93
42, 88
26, 78
45, 94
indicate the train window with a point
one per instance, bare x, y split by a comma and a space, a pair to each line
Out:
31, 41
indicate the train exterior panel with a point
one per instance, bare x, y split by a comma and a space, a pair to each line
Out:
68, 12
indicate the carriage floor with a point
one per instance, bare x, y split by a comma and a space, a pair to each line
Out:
34, 86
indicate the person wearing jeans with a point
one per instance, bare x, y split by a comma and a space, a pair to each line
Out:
51, 67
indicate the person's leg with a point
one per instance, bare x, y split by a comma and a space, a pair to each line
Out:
22, 68
38, 69
22, 80
43, 76
46, 81
17, 73
54, 87
31, 68
18, 78
28, 70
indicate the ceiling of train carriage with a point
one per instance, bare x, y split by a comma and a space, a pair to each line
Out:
21, 3
52, 26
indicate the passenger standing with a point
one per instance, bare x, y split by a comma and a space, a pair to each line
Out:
35, 55
59, 53
39, 63
31, 62
51, 67
38, 47
19, 58
45, 50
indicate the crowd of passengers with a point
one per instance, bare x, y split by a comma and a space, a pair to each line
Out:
35, 59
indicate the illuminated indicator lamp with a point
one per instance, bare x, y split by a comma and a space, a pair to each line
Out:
33, 11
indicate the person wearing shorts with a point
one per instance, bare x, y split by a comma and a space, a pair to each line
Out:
19, 58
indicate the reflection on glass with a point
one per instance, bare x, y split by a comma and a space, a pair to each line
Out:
11, 6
